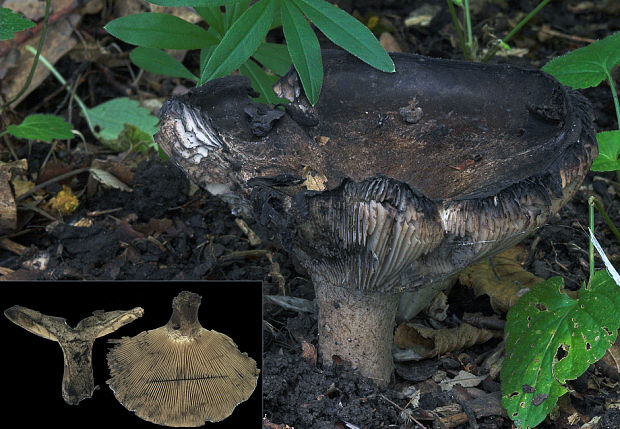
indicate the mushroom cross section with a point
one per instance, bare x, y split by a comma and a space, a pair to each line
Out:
392, 182
76, 343
181, 374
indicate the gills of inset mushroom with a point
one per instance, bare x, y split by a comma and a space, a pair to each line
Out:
392, 182
181, 374
76, 343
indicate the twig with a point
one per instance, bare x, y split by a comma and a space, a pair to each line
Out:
52, 180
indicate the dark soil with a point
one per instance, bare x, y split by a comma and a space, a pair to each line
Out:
160, 232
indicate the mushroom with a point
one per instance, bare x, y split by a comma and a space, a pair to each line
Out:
76, 343
391, 183
181, 374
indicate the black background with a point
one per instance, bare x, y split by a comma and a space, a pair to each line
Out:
33, 366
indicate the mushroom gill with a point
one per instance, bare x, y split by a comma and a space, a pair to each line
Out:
417, 174
181, 374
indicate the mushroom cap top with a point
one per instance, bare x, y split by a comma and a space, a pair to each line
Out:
406, 176
181, 374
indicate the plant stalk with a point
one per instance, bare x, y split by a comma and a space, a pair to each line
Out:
606, 217
64, 83
591, 201
470, 39
515, 30
458, 27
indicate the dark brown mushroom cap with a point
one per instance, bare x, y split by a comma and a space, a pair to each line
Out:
181, 374
393, 179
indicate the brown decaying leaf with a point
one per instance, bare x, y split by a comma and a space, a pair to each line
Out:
429, 342
502, 278
308, 352
8, 208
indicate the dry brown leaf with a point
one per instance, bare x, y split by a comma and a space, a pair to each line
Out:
610, 362
8, 208
502, 278
389, 43
429, 342
314, 181
308, 352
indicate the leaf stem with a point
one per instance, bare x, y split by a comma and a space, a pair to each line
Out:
606, 217
591, 201
470, 39
63, 82
458, 27
614, 94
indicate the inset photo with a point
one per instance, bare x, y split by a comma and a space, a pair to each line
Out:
137, 354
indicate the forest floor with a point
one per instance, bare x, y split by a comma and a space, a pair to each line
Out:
168, 230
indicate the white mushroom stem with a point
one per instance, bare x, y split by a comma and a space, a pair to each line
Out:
358, 327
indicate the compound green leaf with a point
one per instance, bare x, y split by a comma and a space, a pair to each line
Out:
234, 11
273, 56
304, 49
214, 17
587, 66
41, 127
157, 61
551, 338
346, 32
240, 41
261, 82
112, 116
159, 30
608, 151
12, 23
191, 3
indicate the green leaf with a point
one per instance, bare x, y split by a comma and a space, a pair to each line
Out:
240, 41
112, 116
234, 11
346, 32
41, 127
261, 82
304, 49
190, 3
274, 56
157, 61
214, 17
205, 54
551, 338
608, 151
587, 66
159, 30
12, 23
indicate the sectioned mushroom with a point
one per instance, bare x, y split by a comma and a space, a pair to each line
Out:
76, 343
392, 214
181, 374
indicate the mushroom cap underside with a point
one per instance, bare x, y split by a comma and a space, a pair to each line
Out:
180, 381
391, 179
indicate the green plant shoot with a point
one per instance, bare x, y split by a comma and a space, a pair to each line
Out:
586, 67
235, 37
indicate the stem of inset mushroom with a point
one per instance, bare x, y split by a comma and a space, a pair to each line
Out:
76, 343
358, 327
